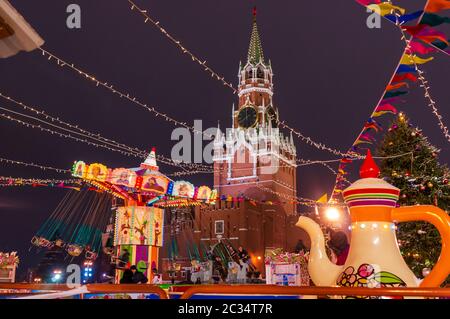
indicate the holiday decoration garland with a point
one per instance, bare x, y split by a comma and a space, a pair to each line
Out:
406, 72
425, 30
183, 49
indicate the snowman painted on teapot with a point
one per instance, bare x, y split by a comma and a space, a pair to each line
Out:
374, 259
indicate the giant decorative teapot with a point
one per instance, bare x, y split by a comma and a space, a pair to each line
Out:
374, 258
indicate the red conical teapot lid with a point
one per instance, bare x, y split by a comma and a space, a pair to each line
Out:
370, 190
369, 168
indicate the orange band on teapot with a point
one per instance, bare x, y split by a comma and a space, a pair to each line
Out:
371, 213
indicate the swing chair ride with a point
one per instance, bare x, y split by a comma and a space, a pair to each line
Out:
138, 197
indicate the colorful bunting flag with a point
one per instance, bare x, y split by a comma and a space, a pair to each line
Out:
385, 8
323, 199
414, 59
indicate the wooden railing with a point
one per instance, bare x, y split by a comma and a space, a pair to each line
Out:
255, 290
40, 287
313, 291
127, 288
91, 288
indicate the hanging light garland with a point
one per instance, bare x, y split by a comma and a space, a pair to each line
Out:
134, 151
320, 146
119, 92
71, 126
427, 94
59, 134
20, 181
304, 138
183, 49
61, 62
45, 168
408, 52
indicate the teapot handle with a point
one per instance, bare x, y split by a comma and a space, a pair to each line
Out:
441, 221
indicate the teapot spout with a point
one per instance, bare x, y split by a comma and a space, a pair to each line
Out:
322, 271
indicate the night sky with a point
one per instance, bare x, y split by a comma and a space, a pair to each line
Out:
330, 70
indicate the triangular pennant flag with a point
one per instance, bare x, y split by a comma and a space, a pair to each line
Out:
323, 199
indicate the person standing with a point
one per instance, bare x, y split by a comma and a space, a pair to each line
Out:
127, 277
157, 280
340, 247
138, 277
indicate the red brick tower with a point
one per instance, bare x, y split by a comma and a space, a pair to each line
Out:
254, 160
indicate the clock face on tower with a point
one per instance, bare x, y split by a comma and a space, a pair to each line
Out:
247, 117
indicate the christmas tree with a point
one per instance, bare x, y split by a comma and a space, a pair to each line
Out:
413, 167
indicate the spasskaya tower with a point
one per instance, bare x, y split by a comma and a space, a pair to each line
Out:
253, 158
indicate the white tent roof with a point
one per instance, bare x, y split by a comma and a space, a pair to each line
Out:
15, 33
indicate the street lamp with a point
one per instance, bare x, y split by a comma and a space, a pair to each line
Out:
332, 214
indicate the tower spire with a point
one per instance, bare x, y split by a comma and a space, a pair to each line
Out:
255, 51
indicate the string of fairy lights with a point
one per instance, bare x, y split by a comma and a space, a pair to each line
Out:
18, 181
182, 48
69, 136
423, 81
59, 134
85, 75
62, 63
71, 126
427, 94
214, 74
133, 151
304, 138
42, 167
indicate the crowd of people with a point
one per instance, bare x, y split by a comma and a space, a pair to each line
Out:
238, 269
133, 276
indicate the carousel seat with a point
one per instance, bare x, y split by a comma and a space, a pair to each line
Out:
74, 250
59, 243
90, 255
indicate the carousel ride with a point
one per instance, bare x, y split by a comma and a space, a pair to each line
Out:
138, 198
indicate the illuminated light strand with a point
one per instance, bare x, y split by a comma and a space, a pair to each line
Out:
427, 95
120, 93
423, 84
72, 126
335, 172
27, 124
264, 203
302, 162
306, 139
130, 151
71, 131
183, 49
59, 170
423, 81
38, 180
320, 146
110, 87
298, 200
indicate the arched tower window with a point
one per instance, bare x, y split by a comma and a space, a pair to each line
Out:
260, 73
249, 73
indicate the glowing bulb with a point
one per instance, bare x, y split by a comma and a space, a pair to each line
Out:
363, 226
332, 214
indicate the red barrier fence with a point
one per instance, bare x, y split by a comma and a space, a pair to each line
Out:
256, 290
313, 291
